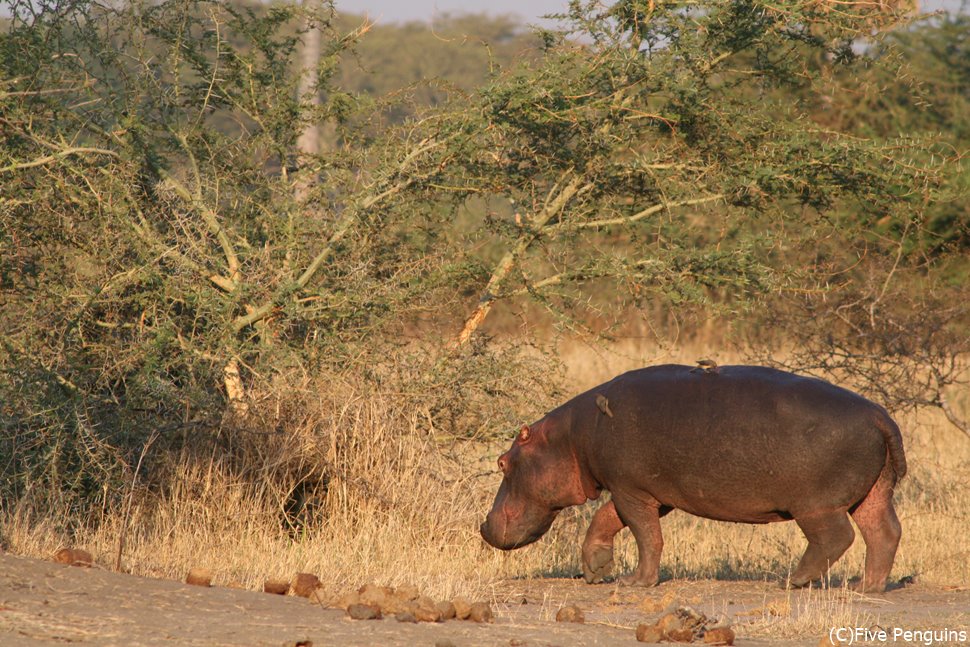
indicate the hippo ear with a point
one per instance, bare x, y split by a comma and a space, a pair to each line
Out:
524, 434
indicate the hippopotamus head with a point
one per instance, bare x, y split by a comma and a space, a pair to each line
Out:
541, 477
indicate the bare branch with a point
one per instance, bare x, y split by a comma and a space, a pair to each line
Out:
47, 159
554, 206
640, 215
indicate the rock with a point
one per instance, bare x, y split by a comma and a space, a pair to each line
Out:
407, 592
480, 612
199, 577
396, 604
276, 587
719, 636
570, 613
373, 595
304, 584
364, 612
347, 599
670, 622
405, 616
649, 634
447, 610
680, 635
73, 557
427, 614
462, 608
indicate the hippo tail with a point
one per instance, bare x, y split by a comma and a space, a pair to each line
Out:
894, 443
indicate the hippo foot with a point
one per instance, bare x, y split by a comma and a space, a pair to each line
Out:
861, 586
795, 585
597, 563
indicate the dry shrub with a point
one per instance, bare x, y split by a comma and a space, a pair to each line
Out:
377, 473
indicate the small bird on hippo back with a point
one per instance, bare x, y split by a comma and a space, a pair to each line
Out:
657, 455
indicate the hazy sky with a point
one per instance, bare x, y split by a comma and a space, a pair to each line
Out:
425, 10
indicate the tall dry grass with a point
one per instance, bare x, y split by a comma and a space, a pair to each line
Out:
396, 502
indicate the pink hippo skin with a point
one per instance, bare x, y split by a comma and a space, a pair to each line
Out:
745, 444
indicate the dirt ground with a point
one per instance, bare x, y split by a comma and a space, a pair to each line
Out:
43, 603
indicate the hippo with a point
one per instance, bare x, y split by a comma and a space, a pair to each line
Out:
747, 444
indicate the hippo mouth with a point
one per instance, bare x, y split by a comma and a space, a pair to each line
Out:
507, 536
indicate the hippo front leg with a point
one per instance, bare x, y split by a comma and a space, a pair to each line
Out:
598, 545
643, 518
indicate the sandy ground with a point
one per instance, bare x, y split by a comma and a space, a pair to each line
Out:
43, 603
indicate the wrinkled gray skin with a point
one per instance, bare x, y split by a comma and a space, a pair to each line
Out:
745, 444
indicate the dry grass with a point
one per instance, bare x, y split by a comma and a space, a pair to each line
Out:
401, 507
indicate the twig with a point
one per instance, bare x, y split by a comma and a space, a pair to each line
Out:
131, 495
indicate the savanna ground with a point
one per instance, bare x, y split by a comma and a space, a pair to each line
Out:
421, 528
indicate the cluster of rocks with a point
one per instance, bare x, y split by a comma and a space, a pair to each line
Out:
373, 602
407, 604
685, 625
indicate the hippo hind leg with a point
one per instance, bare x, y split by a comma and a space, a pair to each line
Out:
880, 529
829, 535
598, 545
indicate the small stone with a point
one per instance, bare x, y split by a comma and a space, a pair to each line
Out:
462, 608
304, 584
373, 595
405, 616
719, 636
480, 612
394, 604
649, 634
447, 610
347, 599
276, 587
670, 622
407, 592
680, 635
199, 577
427, 614
570, 613
73, 557
364, 612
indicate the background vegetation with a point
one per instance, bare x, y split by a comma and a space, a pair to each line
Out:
214, 332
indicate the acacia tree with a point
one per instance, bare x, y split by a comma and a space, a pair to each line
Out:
662, 150
890, 308
162, 246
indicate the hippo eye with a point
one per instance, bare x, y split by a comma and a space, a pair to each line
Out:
524, 434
